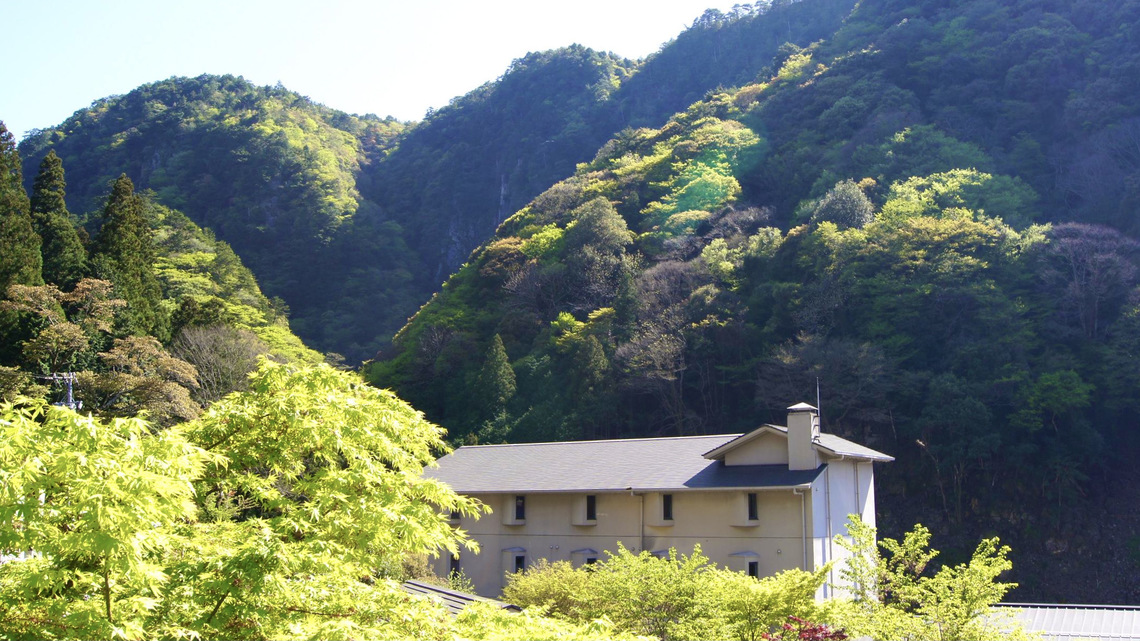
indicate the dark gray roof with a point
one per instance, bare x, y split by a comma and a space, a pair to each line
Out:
600, 466
1064, 622
842, 447
453, 600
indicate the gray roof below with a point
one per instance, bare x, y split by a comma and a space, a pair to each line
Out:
453, 600
1064, 622
600, 466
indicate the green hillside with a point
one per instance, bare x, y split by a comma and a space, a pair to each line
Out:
367, 216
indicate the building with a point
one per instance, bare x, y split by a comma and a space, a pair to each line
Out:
761, 502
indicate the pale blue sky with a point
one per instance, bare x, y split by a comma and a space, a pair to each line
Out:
385, 57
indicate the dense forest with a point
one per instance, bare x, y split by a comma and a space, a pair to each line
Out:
925, 210
125, 310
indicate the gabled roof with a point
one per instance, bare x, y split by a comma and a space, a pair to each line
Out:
828, 443
646, 464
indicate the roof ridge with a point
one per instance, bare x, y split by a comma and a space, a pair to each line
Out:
606, 440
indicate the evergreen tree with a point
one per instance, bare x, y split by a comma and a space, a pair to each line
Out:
124, 254
63, 254
496, 383
20, 261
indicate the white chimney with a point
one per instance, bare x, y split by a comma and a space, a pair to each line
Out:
803, 430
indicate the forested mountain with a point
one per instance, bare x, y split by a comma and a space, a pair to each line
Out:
931, 213
355, 221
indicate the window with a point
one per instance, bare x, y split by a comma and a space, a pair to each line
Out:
667, 507
520, 508
591, 507
584, 558
454, 568
455, 515
754, 569
753, 511
520, 561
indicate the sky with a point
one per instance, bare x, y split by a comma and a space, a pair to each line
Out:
385, 57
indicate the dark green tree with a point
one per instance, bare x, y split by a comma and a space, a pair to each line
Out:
20, 260
124, 254
496, 382
63, 255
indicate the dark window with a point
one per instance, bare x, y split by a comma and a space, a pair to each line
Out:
754, 569
667, 507
520, 562
590, 560
591, 507
520, 508
753, 512
455, 515
454, 569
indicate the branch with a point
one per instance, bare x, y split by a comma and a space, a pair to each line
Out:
342, 615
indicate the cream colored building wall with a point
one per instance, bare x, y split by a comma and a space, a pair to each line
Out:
700, 517
766, 449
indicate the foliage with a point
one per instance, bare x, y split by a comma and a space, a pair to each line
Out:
485, 621
559, 587
272, 516
797, 628
667, 596
895, 600
139, 376
97, 504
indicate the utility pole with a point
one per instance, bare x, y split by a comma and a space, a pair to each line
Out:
68, 381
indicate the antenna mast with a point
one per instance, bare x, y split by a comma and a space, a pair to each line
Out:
818, 405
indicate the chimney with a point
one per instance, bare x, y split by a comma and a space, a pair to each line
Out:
803, 429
